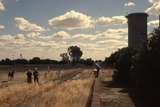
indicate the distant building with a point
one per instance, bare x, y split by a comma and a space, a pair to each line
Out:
137, 30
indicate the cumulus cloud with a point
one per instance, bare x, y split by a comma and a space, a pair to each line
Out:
27, 26
71, 20
130, 3
113, 38
153, 23
2, 27
154, 9
32, 34
5, 37
84, 37
30, 47
62, 35
113, 43
2, 7
119, 34
153, 1
111, 20
12, 40
93, 45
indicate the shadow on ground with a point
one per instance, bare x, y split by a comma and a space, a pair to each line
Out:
141, 97
148, 97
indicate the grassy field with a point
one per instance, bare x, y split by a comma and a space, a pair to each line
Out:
71, 91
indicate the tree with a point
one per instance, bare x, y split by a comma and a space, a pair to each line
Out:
6, 61
20, 61
86, 62
123, 64
146, 64
35, 60
75, 53
65, 57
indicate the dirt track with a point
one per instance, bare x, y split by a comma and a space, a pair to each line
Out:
105, 95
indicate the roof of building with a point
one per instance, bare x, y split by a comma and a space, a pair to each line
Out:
137, 14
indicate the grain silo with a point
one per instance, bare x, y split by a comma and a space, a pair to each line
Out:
137, 30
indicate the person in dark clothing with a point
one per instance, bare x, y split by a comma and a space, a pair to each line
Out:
36, 75
11, 75
29, 76
96, 72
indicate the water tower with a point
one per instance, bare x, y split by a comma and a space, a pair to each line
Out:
137, 30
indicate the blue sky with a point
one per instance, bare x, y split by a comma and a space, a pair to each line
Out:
41, 11
25, 27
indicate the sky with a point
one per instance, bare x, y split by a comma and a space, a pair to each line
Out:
46, 28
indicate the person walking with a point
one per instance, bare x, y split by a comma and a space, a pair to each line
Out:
36, 75
11, 75
29, 76
96, 72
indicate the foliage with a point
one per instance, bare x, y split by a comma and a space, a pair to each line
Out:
65, 57
75, 53
121, 60
35, 60
87, 62
146, 64
138, 68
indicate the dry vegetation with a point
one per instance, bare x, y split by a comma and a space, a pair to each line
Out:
73, 93
70, 93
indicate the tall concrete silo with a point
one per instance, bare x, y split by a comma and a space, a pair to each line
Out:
137, 30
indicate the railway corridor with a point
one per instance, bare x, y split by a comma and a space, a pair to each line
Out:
72, 90
105, 95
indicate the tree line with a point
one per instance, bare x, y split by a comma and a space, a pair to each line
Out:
139, 69
72, 56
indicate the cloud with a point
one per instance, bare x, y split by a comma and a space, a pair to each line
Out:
32, 34
153, 1
130, 4
62, 35
119, 33
84, 37
111, 20
2, 7
12, 40
2, 27
113, 38
153, 23
27, 26
118, 30
113, 43
30, 47
5, 38
154, 9
71, 20
97, 45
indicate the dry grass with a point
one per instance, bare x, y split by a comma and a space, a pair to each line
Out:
71, 93
13, 95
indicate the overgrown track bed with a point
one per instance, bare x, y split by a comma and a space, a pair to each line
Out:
20, 77
20, 95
